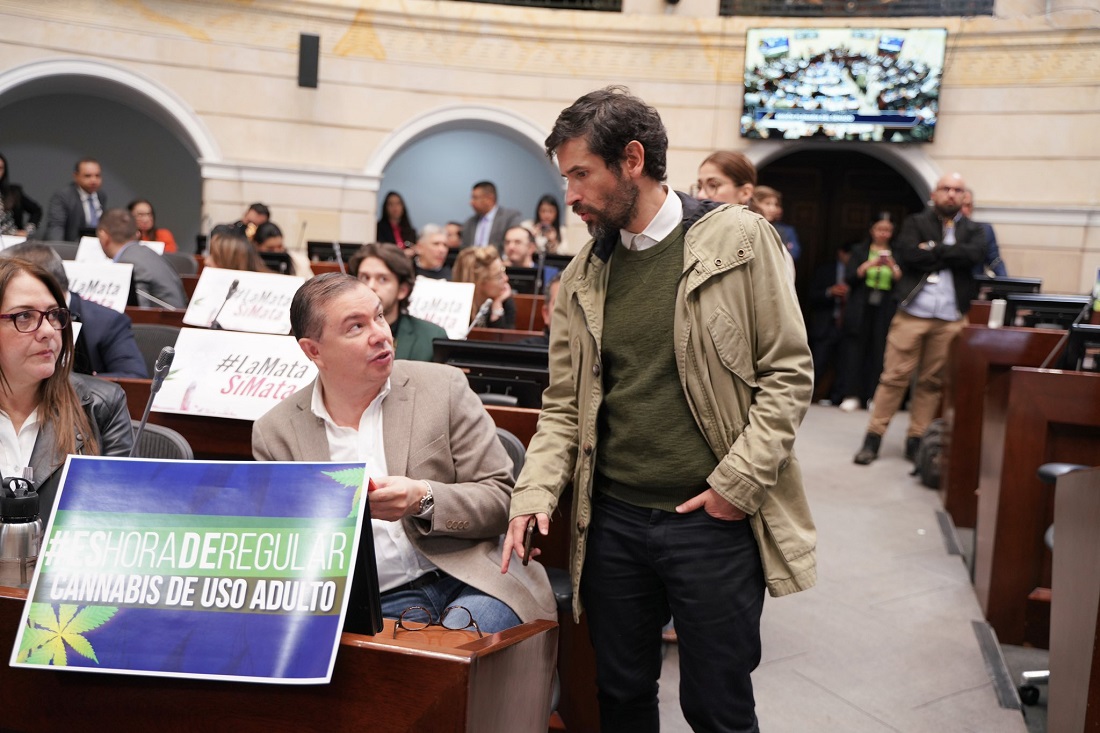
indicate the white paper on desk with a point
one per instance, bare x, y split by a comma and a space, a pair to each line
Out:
90, 250
444, 303
106, 282
232, 374
260, 303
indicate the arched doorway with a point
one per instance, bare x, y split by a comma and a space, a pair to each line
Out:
148, 142
830, 197
434, 160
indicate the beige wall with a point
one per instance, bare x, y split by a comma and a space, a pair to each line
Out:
1020, 105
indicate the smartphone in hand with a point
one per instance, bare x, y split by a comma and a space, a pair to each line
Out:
528, 536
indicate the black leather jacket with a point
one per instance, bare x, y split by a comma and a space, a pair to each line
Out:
105, 405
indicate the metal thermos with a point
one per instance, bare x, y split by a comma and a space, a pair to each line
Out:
20, 531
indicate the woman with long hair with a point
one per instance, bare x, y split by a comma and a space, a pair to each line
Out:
146, 220
546, 225
230, 250
483, 267
50, 411
19, 213
871, 273
394, 226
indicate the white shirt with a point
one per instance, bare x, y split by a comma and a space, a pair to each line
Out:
84, 196
16, 447
481, 234
398, 561
668, 217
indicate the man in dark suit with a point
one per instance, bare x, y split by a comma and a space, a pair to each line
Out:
827, 297
937, 250
77, 206
442, 480
155, 283
489, 222
105, 346
991, 264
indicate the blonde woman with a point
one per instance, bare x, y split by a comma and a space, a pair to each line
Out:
483, 267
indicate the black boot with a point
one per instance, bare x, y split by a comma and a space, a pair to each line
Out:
912, 445
869, 451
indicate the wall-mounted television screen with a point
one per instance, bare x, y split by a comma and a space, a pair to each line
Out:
872, 84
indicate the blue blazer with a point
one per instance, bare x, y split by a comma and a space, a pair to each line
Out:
106, 345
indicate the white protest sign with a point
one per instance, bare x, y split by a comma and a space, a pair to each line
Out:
89, 250
10, 240
259, 302
106, 283
444, 303
237, 375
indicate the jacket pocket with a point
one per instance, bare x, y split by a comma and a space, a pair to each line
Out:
732, 346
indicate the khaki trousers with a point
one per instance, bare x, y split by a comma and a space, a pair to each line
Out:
913, 343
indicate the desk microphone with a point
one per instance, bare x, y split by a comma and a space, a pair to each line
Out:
540, 269
481, 317
160, 371
214, 321
160, 303
339, 257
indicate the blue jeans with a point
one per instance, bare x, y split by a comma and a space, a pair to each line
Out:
492, 615
640, 566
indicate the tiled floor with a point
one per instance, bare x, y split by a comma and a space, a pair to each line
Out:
884, 642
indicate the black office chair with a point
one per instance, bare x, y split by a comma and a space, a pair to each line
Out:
184, 264
67, 250
515, 449
151, 338
498, 400
158, 441
1030, 680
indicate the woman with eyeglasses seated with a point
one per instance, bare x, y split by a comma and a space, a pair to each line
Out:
483, 267
46, 411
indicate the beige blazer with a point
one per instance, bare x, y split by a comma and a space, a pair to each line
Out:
436, 429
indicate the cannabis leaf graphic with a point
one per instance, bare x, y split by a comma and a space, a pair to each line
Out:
350, 477
49, 632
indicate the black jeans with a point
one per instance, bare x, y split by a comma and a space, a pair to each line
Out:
643, 564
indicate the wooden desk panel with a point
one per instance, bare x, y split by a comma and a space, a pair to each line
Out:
1047, 416
977, 355
155, 316
502, 335
431, 683
529, 312
1074, 698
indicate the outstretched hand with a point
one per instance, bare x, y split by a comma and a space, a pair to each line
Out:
514, 535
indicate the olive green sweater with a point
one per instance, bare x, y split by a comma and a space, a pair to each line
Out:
652, 453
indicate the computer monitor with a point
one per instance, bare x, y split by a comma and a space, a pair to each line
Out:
499, 368
364, 614
278, 262
1082, 352
523, 279
326, 251
998, 288
1035, 310
558, 261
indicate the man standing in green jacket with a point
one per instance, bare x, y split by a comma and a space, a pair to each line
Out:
679, 373
391, 275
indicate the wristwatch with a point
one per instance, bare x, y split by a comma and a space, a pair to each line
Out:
427, 501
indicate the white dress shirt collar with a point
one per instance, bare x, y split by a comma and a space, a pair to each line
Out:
668, 217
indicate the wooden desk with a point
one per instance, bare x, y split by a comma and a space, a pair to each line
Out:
189, 283
435, 682
977, 355
1047, 416
1074, 698
529, 312
502, 335
156, 316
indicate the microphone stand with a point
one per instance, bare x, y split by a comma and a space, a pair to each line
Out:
538, 285
160, 303
160, 371
339, 257
214, 325
480, 317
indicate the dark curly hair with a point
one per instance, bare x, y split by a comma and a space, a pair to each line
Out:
609, 119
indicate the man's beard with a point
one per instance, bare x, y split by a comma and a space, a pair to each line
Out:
948, 211
620, 210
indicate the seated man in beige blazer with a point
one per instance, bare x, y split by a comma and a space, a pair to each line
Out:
444, 482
